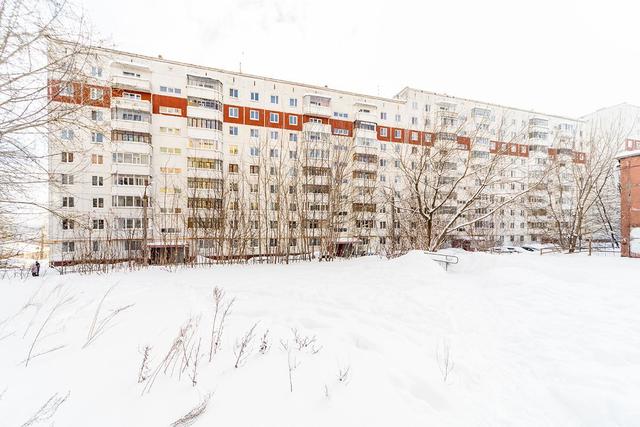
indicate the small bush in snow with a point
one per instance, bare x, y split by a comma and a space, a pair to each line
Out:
265, 345
221, 311
192, 416
243, 347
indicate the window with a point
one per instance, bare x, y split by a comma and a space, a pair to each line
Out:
96, 116
96, 93
66, 157
233, 130
97, 181
66, 179
197, 122
97, 137
383, 115
293, 120
67, 89
397, 133
274, 135
204, 163
120, 135
293, 137
67, 202
233, 168
68, 224
293, 102
273, 152
233, 150
171, 110
255, 96
384, 132
414, 120
203, 144
206, 82
170, 150
233, 93
131, 95
167, 89
97, 224
98, 202
68, 246
274, 117
254, 115
66, 134
130, 158
254, 133
343, 132
234, 112
274, 99
254, 151
254, 169
127, 201
204, 103
131, 74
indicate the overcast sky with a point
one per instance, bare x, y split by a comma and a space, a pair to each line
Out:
565, 57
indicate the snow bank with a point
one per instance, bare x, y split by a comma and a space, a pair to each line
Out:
547, 340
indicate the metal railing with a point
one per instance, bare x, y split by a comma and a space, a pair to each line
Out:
443, 259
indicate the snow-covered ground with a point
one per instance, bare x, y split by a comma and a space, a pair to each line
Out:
528, 340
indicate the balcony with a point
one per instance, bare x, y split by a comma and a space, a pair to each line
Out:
366, 116
316, 105
132, 147
203, 112
130, 82
316, 127
316, 110
131, 104
365, 133
204, 92
130, 169
204, 133
131, 125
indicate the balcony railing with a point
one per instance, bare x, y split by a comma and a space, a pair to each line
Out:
130, 82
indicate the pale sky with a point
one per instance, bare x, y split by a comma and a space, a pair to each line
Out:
566, 57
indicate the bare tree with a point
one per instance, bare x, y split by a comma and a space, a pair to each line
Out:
34, 71
581, 188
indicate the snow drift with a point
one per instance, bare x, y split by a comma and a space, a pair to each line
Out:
497, 340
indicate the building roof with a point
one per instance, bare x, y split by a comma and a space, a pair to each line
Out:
489, 104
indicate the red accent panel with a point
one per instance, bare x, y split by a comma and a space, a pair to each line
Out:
324, 120
81, 94
247, 116
412, 137
393, 135
267, 119
341, 124
464, 142
169, 101
382, 137
428, 138
229, 119
292, 127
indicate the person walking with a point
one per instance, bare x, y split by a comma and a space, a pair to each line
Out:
35, 269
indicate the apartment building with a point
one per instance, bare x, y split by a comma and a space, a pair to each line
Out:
179, 161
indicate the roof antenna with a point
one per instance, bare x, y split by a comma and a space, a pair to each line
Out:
241, 57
